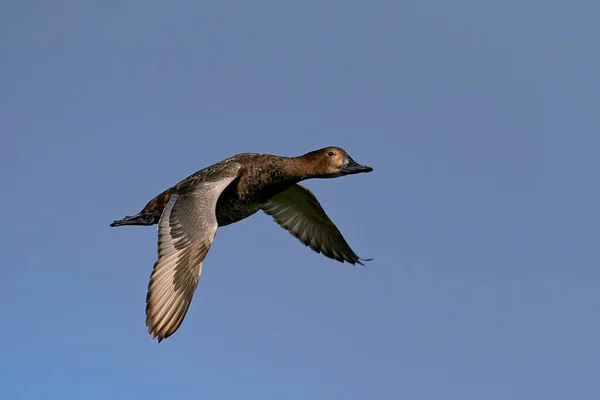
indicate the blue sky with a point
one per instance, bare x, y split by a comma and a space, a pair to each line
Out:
479, 118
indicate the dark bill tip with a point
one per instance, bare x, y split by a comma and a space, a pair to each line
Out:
356, 169
352, 167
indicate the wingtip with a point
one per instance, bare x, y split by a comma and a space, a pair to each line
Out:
360, 260
155, 335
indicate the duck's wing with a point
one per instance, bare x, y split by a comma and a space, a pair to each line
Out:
185, 232
298, 211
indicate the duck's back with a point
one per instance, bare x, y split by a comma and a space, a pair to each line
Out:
260, 177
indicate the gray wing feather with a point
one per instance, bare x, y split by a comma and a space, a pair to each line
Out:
185, 233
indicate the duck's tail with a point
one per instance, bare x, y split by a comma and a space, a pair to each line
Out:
144, 219
150, 215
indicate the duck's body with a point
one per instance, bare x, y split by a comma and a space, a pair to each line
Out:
189, 213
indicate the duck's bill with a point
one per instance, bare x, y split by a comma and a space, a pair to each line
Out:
352, 167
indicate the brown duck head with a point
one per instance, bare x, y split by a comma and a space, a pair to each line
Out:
330, 162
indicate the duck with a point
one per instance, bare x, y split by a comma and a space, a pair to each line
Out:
189, 213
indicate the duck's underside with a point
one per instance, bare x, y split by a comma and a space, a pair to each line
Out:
230, 209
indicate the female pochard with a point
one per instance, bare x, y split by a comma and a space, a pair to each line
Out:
189, 213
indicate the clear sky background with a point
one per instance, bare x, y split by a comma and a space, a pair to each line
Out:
480, 119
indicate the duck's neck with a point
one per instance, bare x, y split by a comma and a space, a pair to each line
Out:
298, 168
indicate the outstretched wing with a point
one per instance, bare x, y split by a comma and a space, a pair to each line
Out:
298, 211
185, 232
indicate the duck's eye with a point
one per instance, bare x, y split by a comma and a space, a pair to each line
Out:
331, 154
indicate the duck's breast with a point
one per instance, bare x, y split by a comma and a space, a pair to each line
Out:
246, 195
231, 210
238, 201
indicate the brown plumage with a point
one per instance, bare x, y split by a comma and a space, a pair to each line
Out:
189, 213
